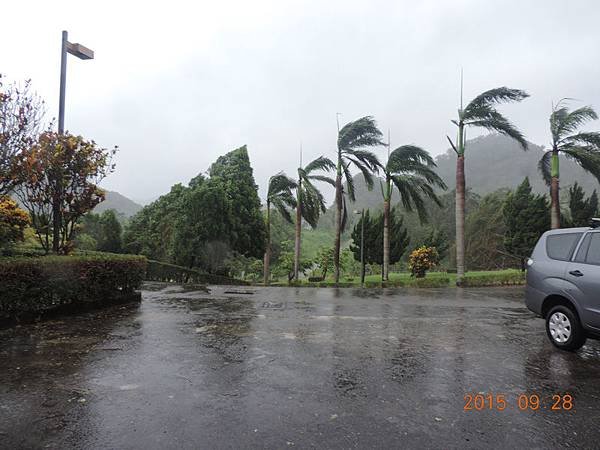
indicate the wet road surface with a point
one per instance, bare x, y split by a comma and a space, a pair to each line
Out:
285, 367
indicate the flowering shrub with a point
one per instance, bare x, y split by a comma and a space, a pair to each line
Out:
13, 221
421, 260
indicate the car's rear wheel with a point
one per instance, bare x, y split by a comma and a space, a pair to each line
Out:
564, 328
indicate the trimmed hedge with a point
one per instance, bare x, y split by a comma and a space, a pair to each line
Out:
159, 271
494, 279
413, 282
33, 286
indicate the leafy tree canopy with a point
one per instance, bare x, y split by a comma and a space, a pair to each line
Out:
373, 233
526, 216
582, 209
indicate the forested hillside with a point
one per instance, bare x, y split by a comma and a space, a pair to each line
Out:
119, 203
494, 162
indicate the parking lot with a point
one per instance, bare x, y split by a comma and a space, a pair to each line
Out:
297, 367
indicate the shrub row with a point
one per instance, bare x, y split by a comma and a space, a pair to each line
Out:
159, 271
32, 286
495, 279
414, 282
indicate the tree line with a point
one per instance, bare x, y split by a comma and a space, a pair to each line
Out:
56, 179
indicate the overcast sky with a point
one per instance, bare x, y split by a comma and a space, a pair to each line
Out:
176, 84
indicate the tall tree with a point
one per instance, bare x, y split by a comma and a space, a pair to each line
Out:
110, 240
281, 197
247, 226
480, 112
581, 147
202, 226
526, 217
309, 200
582, 209
411, 170
21, 114
353, 142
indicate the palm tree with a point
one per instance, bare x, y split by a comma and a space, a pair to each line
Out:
309, 200
581, 147
481, 112
353, 140
279, 194
411, 170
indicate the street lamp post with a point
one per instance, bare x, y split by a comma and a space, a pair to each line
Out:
80, 52
362, 245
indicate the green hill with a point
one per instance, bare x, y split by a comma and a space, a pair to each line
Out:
119, 203
495, 161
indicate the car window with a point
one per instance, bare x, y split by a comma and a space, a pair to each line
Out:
583, 249
593, 254
561, 246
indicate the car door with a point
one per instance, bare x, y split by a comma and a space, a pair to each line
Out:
584, 273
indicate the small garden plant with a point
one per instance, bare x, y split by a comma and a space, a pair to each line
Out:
421, 260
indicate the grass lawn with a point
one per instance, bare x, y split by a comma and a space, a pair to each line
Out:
433, 279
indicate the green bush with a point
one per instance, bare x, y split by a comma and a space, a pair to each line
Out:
159, 271
494, 279
31, 286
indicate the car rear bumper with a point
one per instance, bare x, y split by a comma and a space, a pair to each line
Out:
534, 299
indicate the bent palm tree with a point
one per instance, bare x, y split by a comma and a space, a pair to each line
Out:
353, 140
279, 194
411, 170
581, 147
309, 200
481, 112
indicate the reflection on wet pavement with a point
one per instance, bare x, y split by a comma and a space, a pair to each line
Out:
279, 367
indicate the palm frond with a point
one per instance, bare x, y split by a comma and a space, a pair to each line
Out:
313, 203
278, 183
493, 97
282, 206
545, 167
366, 158
577, 118
349, 181
320, 163
591, 139
366, 172
500, 124
412, 192
279, 194
413, 160
361, 133
322, 178
410, 153
588, 160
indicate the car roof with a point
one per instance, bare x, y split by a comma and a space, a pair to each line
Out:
571, 230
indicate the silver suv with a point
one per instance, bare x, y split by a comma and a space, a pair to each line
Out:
563, 284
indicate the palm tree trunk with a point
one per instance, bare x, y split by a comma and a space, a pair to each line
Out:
338, 226
267, 260
298, 231
555, 192
386, 239
460, 218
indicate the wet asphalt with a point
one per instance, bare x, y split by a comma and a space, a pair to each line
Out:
295, 367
